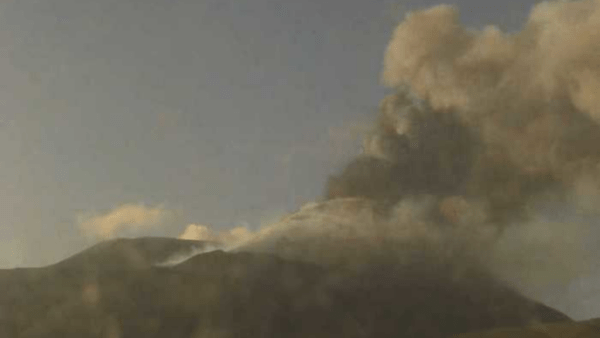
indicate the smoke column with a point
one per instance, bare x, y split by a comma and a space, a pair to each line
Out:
484, 117
483, 129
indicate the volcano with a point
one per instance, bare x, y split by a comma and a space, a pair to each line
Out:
119, 289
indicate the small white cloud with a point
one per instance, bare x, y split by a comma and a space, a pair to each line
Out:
197, 232
227, 238
133, 216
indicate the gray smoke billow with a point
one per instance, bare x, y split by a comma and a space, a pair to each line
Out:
483, 127
500, 119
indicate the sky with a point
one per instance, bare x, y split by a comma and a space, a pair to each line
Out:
169, 113
227, 113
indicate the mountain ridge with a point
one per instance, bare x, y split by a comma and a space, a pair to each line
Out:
244, 294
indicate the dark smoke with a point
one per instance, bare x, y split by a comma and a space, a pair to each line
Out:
434, 157
483, 128
482, 115
437, 154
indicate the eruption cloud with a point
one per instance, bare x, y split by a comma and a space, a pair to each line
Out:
483, 129
479, 116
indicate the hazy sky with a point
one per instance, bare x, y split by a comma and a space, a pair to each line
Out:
225, 112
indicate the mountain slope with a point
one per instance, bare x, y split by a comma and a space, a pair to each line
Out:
135, 253
218, 294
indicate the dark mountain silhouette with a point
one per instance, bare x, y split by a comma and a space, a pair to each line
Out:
135, 253
100, 293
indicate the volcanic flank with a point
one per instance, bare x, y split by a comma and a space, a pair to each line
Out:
218, 294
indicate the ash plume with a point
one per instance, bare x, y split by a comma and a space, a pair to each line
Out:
482, 129
480, 116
